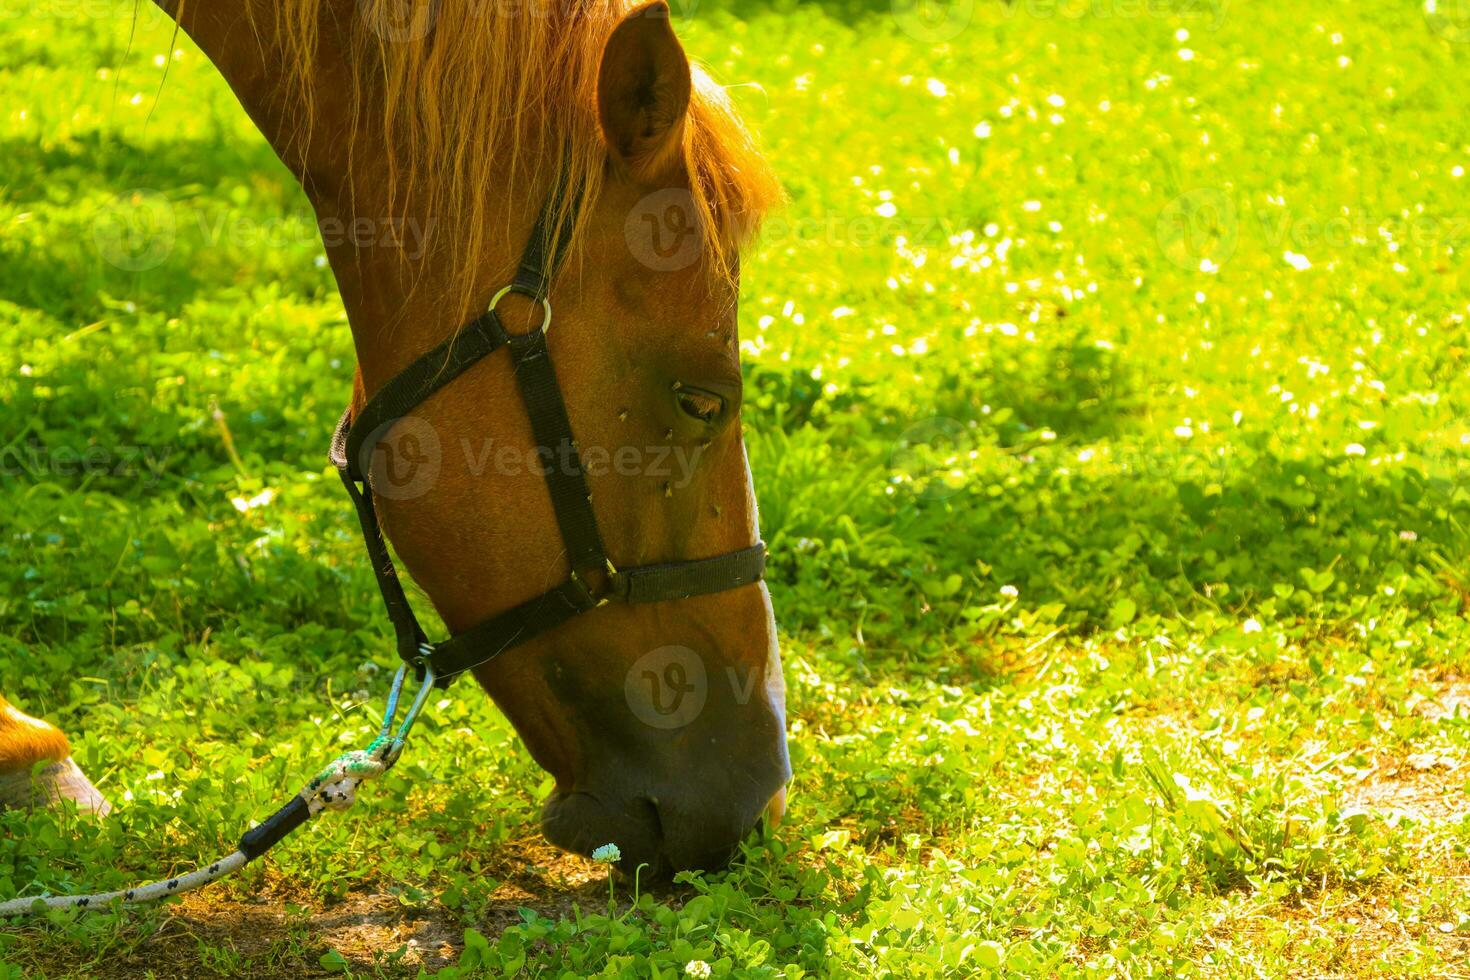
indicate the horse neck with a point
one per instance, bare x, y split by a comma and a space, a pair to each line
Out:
403, 287
404, 284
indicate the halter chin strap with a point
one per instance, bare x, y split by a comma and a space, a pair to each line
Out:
356, 439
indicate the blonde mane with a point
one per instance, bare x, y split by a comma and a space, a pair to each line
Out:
461, 87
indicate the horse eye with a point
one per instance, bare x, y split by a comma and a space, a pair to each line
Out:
703, 406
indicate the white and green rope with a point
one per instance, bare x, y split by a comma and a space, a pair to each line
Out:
137, 895
334, 788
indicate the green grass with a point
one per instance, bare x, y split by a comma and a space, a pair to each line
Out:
1110, 413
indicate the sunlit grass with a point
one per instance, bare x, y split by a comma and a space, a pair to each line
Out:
1108, 401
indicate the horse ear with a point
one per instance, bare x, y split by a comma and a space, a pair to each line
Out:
643, 92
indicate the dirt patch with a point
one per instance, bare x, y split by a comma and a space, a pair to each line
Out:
1450, 699
1342, 936
1426, 787
281, 933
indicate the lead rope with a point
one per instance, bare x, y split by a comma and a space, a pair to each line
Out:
334, 788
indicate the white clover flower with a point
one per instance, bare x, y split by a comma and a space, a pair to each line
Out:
697, 968
607, 854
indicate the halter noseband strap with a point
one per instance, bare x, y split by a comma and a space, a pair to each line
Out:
356, 438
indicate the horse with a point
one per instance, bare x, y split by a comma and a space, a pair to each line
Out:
467, 115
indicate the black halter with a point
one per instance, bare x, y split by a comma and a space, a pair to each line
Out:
482, 336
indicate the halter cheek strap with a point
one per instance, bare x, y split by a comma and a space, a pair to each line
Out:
356, 439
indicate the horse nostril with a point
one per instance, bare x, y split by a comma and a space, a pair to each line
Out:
653, 817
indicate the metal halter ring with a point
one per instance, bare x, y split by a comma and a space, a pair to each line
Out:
513, 288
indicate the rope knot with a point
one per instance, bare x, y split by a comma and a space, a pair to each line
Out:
335, 787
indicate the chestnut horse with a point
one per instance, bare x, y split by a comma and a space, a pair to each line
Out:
461, 114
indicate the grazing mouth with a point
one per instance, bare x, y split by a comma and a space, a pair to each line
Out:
581, 822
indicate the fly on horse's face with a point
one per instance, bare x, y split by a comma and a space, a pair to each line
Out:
663, 724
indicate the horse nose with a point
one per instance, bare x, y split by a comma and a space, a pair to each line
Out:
702, 837
677, 830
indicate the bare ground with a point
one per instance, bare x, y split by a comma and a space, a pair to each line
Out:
1376, 933
279, 933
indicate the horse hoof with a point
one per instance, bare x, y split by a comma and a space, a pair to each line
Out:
56, 781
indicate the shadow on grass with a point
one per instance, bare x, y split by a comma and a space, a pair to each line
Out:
1171, 532
142, 222
111, 160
